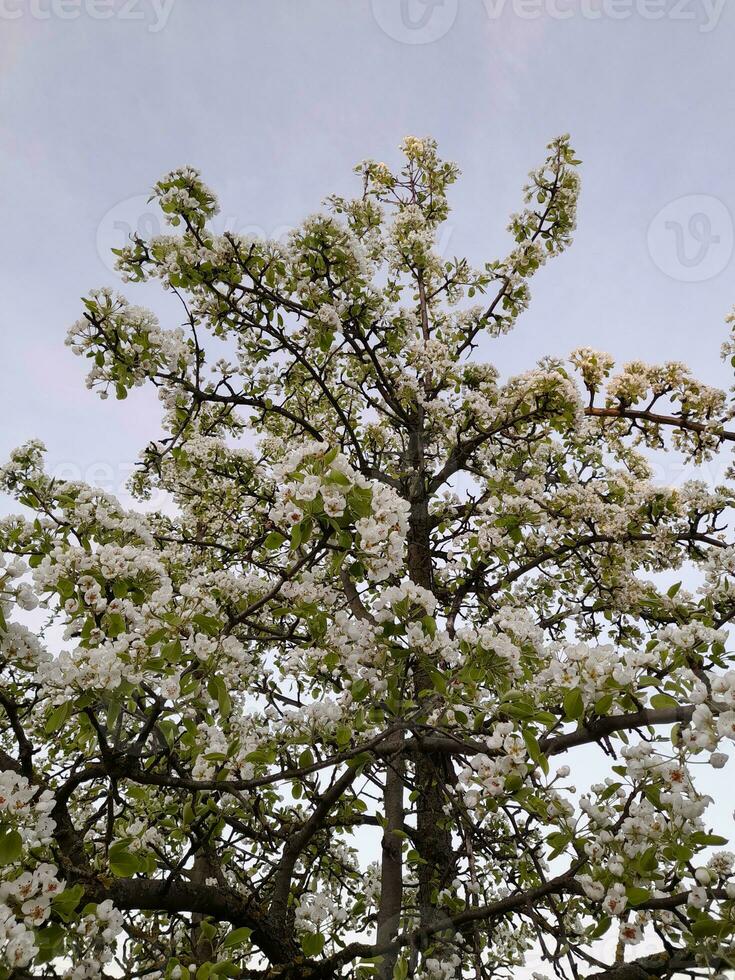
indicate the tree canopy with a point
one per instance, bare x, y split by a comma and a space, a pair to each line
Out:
319, 699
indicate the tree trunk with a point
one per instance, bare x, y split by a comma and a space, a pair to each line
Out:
391, 870
434, 837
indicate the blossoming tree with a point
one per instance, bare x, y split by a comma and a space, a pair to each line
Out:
306, 718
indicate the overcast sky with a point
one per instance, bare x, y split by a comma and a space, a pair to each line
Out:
275, 101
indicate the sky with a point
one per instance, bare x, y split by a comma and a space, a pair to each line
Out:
276, 101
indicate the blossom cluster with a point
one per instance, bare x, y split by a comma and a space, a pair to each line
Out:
25, 895
141, 346
313, 483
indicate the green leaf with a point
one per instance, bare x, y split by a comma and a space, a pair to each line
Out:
225, 969
400, 971
343, 735
156, 636
218, 689
603, 704
58, 717
296, 536
705, 927
123, 864
648, 861
637, 895
260, 756
50, 942
518, 709
207, 624
113, 713
664, 701
274, 540
115, 624
335, 476
573, 704
601, 928
534, 750
513, 782
360, 501
360, 690
237, 937
708, 840
11, 846
66, 902
312, 943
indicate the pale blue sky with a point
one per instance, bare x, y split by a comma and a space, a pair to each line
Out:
275, 101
